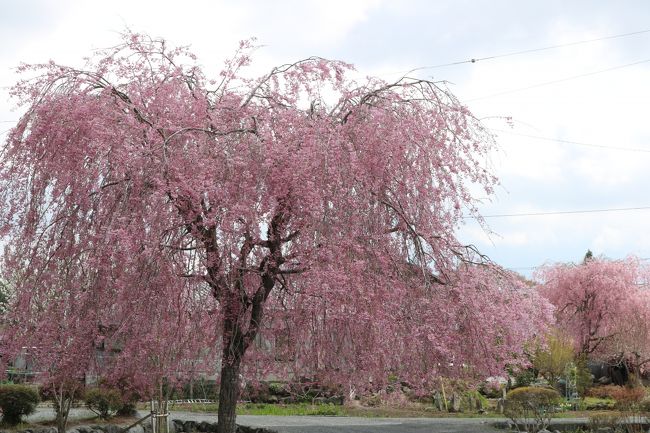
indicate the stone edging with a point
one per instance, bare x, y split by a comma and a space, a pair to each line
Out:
175, 426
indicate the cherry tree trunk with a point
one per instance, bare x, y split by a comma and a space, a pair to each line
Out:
62, 406
62, 421
160, 412
228, 395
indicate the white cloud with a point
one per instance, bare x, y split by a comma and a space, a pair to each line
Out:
608, 238
537, 175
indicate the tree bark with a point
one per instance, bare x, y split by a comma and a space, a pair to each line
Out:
160, 412
62, 410
228, 394
236, 338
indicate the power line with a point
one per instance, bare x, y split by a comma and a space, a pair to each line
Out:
530, 268
566, 212
527, 51
523, 268
561, 80
579, 143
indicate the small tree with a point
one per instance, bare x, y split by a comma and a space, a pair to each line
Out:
55, 327
596, 301
553, 356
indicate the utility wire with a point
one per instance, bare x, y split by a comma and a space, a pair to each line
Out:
566, 212
561, 80
527, 51
530, 268
579, 143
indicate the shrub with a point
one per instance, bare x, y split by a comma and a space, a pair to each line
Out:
104, 402
605, 422
531, 408
603, 391
17, 401
525, 378
625, 397
127, 409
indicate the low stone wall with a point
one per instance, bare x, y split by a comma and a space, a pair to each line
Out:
180, 426
559, 425
175, 426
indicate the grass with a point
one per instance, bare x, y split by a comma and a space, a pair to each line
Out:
290, 409
266, 409
190, 407
596, 403
20, 426
304, 409
408, 411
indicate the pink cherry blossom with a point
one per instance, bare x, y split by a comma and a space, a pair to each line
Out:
300, 214
604, 305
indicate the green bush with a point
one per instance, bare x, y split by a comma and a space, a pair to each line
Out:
531, 408
596, 403
525, 378
104, 402
17, 401
127, 409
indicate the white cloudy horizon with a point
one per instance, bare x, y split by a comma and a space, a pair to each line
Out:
606, 104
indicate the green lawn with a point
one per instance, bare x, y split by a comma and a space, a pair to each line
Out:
267, 409
325, 410
290, 409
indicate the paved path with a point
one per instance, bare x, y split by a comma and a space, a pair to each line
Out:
323, 424
334, 424
376, 425
47, 414
331, 424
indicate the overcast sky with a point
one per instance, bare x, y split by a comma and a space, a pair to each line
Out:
595, 93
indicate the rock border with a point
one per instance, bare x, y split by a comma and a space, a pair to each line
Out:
175, 426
